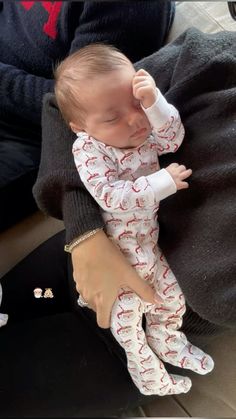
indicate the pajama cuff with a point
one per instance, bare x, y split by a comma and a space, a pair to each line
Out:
159, 112
162, 184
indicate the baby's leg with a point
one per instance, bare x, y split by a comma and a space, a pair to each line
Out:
163, 322
146, 369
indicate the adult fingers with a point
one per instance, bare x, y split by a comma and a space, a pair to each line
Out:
103, 312
141, 288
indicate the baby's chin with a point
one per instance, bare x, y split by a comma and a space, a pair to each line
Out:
135, 144
139, 140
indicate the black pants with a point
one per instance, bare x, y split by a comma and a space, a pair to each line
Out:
54, 359
20, 148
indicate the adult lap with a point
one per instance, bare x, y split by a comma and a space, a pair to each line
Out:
58, 364
53, 356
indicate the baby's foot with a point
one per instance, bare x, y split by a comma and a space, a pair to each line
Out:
3, 319
174, 384
191, 357
180, 384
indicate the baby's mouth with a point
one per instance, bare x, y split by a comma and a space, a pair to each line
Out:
138, 133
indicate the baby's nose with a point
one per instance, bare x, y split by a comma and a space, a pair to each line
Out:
134, 117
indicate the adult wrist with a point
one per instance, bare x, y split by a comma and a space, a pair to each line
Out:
76, 242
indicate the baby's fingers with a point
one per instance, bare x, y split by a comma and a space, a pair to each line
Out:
139, 79
184, 185
141, 72
185, 173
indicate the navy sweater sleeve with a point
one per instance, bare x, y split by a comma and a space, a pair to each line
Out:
59, 190
24, 93
137, 29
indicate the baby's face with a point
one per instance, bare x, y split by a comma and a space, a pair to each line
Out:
114, 116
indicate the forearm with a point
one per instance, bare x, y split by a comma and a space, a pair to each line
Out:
80, 214
125, 196
167, 126
112, 194
58, 190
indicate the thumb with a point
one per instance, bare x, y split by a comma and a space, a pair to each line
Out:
142, 289
103, 312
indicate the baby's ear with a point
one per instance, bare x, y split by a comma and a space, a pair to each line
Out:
75, 128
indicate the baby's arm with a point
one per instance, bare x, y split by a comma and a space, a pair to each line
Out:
165, 120
163, 117
99, 174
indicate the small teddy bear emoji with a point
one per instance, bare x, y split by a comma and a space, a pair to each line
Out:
48, 293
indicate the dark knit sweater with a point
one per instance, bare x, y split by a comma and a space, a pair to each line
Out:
198, 225
35, 35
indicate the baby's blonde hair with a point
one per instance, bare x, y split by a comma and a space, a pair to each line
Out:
78, 69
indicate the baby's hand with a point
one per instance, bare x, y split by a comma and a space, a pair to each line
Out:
179, 173
144, 88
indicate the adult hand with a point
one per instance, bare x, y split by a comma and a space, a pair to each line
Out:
100, 270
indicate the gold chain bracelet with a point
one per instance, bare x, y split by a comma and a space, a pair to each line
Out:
69, 247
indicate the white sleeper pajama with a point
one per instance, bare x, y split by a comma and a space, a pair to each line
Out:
129, 185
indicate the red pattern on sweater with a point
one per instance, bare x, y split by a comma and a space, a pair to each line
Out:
53, 9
